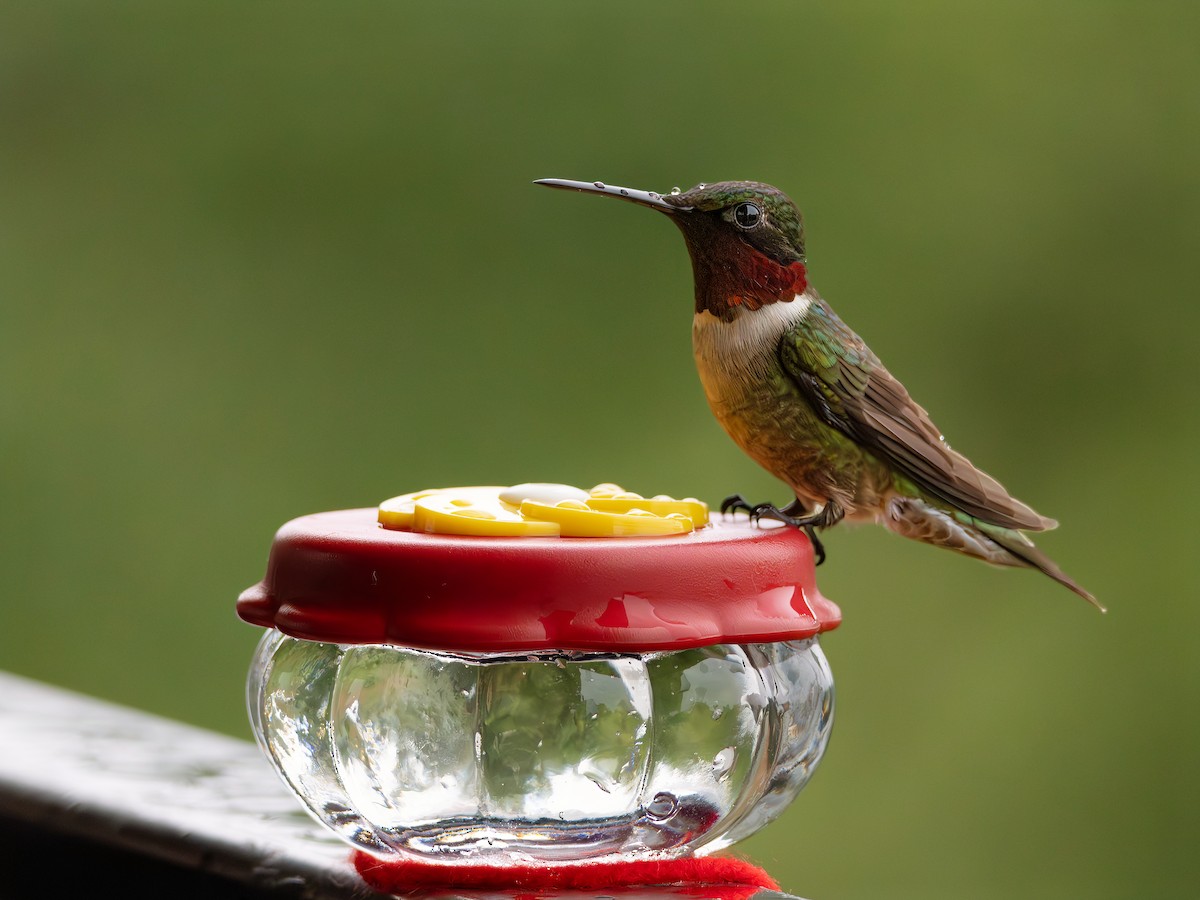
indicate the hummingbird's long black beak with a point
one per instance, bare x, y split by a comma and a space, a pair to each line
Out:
641, 198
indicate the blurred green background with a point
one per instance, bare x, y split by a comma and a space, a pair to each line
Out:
258, 260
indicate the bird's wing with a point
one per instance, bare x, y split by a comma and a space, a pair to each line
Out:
851, 391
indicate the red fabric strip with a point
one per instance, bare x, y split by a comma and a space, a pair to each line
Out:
735, 879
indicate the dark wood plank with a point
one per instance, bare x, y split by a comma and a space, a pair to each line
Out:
86, 772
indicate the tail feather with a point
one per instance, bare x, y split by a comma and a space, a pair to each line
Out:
916, 519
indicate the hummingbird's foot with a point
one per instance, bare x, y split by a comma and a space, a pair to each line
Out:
767, 511
827, 515
736, 503
818, 547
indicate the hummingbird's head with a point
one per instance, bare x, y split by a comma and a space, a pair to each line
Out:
746, 240
761, 216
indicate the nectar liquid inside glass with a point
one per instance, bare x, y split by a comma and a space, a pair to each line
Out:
543, 756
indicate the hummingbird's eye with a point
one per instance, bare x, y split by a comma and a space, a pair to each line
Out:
747, 215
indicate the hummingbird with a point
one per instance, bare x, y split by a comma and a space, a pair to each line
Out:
808, 400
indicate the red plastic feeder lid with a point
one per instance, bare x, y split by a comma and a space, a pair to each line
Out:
347, 577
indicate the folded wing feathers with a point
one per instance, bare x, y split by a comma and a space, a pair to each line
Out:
873, 407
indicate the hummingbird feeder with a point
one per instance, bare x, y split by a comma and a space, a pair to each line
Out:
540, 674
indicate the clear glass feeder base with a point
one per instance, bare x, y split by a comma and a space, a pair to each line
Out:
547, 756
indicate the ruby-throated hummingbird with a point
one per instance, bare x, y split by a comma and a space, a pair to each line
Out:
806, 398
